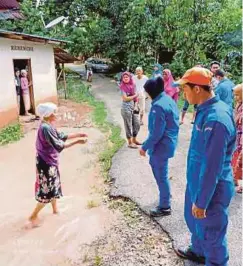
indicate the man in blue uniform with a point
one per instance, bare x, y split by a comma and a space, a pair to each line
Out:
162, 140
209, 176
225, 88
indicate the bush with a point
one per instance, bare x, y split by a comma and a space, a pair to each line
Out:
10, 134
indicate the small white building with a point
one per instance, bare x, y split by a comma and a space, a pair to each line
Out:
31, 52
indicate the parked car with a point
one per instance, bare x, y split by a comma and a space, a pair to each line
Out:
97, 65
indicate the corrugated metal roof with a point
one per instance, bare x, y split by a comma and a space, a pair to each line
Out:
9, 4
10, 14
28, 37
61, 56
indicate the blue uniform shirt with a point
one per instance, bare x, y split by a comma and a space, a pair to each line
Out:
163, 128
209, 173
225, 91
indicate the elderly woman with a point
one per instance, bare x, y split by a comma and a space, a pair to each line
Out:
237, 155
140, 80
49, 144
129, 109
25, 91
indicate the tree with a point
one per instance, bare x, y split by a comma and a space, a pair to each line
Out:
136, 32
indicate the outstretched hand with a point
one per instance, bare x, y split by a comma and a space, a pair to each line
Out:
142, 152
83, 135
82, 141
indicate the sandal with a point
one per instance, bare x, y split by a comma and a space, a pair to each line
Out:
132, 146
239, 190
137, 143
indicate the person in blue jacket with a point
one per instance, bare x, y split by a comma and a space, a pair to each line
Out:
210, 185
158, 71
162, 140
224, 88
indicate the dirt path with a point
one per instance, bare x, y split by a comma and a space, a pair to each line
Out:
90, 230
59, 237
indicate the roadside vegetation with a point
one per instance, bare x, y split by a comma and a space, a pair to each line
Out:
10, 134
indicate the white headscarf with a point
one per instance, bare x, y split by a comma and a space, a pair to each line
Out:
23, 71
139, 69
45, 110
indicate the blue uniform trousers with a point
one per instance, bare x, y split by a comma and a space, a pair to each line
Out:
160, 172
209, 234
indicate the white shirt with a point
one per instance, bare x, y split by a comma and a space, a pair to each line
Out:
214, 83
140, 83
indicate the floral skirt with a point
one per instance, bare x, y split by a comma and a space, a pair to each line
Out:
237, 167
47, 185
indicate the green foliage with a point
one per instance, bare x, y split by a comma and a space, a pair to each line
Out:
10, 134
181, 102
97, 260
138, 32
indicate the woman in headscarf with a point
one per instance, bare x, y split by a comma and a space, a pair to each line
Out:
158, 69
18, 86
129, 109
25, 91
237, 155
173, 92
49, 144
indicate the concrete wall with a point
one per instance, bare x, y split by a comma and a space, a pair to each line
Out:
43, 75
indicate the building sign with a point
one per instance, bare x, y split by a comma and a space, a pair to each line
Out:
22, 48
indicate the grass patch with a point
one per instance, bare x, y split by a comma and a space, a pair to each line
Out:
92, 204
97, 260
10, 134
128, 208
181, 104
78, 92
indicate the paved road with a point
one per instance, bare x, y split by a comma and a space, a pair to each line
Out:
133, 178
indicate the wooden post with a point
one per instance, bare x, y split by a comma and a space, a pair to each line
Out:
59, 75
64, 81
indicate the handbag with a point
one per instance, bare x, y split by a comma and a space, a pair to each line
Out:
136, 109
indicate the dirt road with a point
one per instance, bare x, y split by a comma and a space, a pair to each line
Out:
88, 231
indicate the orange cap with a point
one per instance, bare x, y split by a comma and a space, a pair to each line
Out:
196, 75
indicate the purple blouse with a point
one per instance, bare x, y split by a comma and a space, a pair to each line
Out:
49, 143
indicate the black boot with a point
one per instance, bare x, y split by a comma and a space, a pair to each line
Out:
188, 254
157, 212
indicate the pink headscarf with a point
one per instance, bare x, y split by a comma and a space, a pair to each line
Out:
169, 90
129, 88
